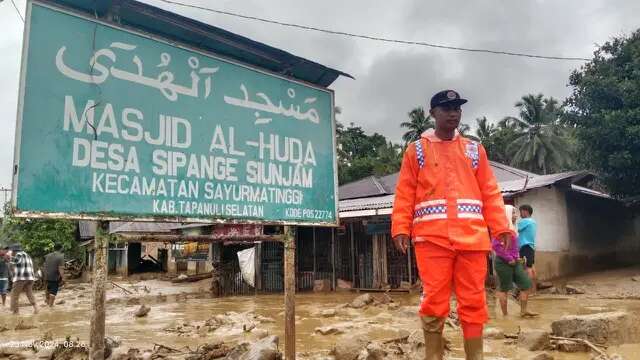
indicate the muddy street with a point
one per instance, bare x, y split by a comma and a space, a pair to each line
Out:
185, 316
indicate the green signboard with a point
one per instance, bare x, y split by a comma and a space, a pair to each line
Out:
114, 124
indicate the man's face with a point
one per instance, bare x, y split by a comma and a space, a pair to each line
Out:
447, 116
524, 214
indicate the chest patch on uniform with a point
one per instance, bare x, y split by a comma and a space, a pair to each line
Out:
473, 153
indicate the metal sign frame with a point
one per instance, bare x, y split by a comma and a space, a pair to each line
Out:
123, 217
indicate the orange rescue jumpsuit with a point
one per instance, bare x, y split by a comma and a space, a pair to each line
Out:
446, 198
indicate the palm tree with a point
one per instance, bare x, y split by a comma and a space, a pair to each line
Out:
540, 144
485, 130
419, 123
465, 130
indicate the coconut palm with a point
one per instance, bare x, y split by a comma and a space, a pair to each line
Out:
419, 123
540, 144
485, 130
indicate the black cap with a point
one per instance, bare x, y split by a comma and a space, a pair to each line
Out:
447, 97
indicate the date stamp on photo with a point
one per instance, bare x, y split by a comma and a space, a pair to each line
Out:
44, 344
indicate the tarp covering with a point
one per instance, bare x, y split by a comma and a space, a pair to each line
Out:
246, 258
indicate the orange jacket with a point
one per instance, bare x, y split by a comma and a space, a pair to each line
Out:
447, 194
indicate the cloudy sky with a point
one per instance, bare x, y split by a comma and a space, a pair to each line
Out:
391, 79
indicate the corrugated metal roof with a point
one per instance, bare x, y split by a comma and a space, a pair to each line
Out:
369, 203
88, 228
367, 187
504, 172
178, 28
141, 227
592, 192
374, 186
539, 181
508, 188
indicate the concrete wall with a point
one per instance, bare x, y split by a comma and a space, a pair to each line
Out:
550, 212
604, 233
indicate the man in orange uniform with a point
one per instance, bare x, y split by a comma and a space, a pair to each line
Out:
446, 198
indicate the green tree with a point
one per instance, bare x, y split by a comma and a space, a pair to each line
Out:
541, 142
418, 123
496, 137
38, 236
605, 109
361, 155
485, 131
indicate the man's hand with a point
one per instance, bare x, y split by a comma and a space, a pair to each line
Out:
401, 242
506, 240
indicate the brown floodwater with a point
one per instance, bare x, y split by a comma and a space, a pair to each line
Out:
376, 322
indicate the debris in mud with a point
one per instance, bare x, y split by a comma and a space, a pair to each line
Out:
133, 301
264, 349
571, 346
62, 352
348, 348
573, 290
542, 285
344, 285
260, 333
228, 325
3, 328
60, 302
636, 278
142, 311
23, 326
542, 356
606, 357
362, 301
383, 299
611, 328
493, 333
211, 351
534, 340
407, 346
322, 286
328, 313
373, 351
328, 330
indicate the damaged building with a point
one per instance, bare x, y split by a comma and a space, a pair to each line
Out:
579, 230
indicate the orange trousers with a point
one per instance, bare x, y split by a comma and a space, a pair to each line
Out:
442, 269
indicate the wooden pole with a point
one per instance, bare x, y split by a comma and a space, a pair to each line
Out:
333, 259
353, 258
315, 264
97, 330
289, 293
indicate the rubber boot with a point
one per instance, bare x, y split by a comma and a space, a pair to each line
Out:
524, 312
432, 328
473, 349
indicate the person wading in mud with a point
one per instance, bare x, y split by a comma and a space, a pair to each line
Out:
53, 273
510, 268
23, 278
527, 228
445, 199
